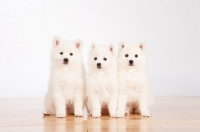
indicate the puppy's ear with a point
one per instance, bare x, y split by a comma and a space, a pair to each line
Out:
112, 48
92, 46
56, 40
121, 44
142, 46
79, 44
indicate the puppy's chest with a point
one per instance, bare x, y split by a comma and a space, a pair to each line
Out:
133, 80
69, 85
67, 78
103, 83
104, 79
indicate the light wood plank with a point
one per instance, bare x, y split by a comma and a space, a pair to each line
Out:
168, 114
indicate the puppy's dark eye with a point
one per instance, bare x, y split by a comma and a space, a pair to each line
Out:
95, 58
126, 55
71, 54
105, 59
61, 53
136, 56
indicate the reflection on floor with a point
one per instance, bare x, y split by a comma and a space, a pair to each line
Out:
168, 114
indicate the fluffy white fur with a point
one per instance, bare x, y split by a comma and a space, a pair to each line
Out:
102, 81
133, 80
67, 79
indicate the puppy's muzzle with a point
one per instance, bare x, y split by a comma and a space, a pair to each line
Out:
131, 62
65, 61
99, 65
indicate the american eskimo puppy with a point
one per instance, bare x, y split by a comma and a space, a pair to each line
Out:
133, 80
67, 79
102, 88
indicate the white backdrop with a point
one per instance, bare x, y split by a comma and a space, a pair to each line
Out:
170, 28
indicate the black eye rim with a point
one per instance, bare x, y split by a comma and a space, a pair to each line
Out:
136, 56
95, 58
71, 54
61, 53
126, 55
105, 59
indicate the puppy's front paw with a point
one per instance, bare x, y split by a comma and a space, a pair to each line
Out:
127, 112
145, 112
78, 113
60, 114
96, 114
120, 114
48, 112
113, 115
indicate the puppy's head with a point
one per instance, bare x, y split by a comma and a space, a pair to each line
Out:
66, 52
101, 57
130, 55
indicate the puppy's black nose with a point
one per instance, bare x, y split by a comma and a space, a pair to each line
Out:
65, 60
98, 64
131, 61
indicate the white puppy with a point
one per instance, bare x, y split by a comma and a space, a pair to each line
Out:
133, 80
66, 91
102, 81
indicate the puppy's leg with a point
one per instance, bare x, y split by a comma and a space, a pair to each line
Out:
144, 104
127, 111
128, 108
78, 104
60, 105
112, 105
96, 107
122, 101
48, 105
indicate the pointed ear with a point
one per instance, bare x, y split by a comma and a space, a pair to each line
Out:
121, 44
142, 46
92, 46
56, 40
79, 44
112, 48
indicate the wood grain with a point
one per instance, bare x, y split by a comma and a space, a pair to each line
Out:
168, 114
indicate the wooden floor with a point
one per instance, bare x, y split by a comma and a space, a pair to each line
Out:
169, 114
